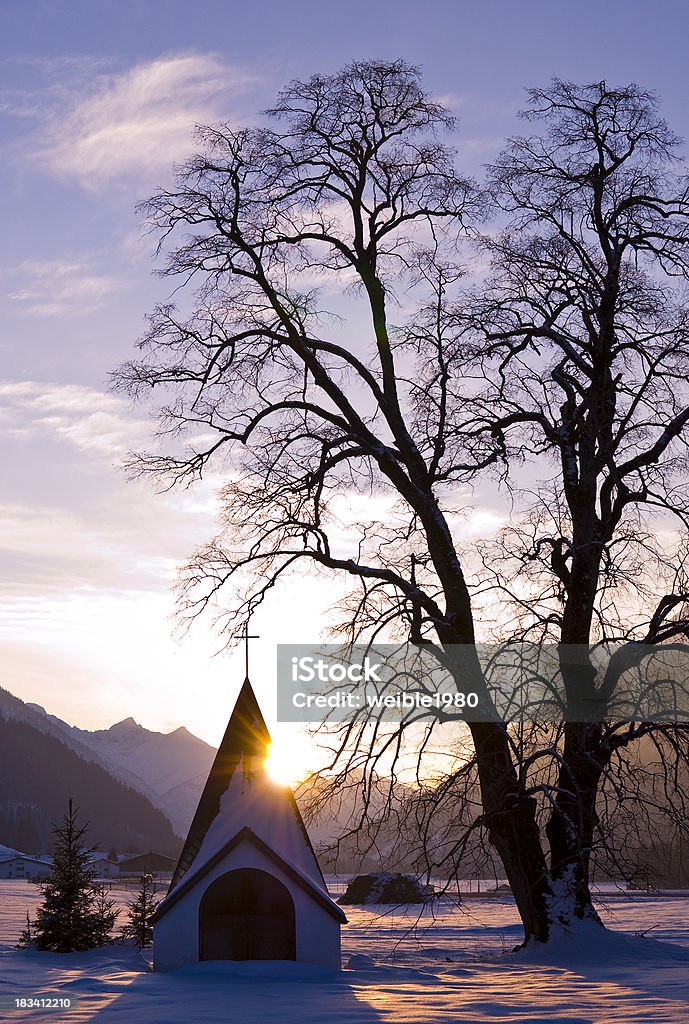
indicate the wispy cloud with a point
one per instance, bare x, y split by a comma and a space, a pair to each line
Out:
58, 287
138, 121
85, 417
86, 524
48, 549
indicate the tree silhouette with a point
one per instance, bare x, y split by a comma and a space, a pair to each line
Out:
563, 364
581, 339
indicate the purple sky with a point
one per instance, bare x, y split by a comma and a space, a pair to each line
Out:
97, 98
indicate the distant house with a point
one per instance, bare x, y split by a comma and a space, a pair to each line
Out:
156, 864
104, 866
25, 867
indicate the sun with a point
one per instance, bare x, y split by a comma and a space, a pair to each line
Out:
289, 760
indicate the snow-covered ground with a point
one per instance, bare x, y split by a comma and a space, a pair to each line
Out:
452, 965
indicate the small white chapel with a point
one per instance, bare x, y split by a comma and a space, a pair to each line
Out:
247, 885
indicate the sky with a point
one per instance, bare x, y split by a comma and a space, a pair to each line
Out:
97, 100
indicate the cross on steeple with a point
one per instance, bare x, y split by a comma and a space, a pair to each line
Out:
246, 636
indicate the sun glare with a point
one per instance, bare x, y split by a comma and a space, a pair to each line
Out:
288, 761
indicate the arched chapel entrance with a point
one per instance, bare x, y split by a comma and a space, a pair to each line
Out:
247, 914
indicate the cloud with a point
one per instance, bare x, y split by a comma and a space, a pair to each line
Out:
101, 429
75, 520
87, 418
139, 121
57, 287
49, 550
86, 565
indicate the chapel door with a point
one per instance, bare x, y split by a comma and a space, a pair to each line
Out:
247, 914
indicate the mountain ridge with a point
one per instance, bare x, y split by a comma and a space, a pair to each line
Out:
167, 768
40, 773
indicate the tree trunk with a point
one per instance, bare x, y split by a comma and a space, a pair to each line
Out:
570, 829
511, 821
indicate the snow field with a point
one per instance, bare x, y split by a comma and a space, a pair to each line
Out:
451, 966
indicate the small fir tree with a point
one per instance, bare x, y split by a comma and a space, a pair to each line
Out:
26, 939
104, 916
75, 915
141, 910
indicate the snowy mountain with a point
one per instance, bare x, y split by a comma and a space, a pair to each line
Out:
12, 708
168, 768
40, 771
171, 766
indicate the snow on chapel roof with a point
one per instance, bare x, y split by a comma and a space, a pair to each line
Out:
239, 801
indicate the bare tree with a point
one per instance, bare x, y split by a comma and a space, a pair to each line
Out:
566, 365
583, 338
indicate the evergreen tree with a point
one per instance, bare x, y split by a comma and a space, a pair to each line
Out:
75, 915
104, 916
26, 939
141, 910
